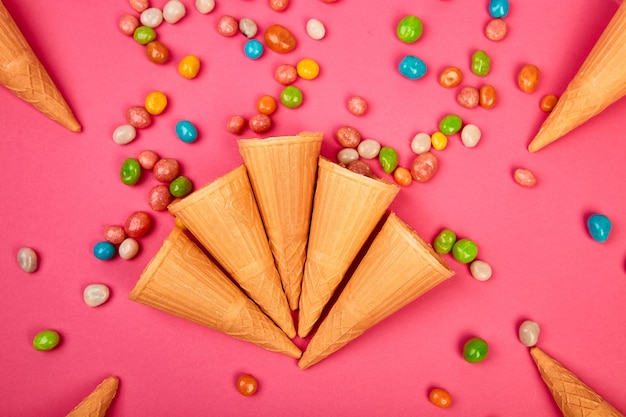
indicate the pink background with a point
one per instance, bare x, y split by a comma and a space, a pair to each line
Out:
61, 189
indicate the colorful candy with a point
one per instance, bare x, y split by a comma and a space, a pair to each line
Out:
46, 340
528, 333
151, 17
279, 5
147, 159
440, 397
247, 385
470, 135
260, 123
128, 24
144, 35
128, 249
487, 96
189, 66
124, 134
525, 177
388, 158
114, 234
315, 29
95, 295
248, 27
599, 227
253, 49
498, 8
130, 172
528, 78
227, 26
402, 176
104, 251
548, 102
360, 167
444, 241
173, 11
286, 74
159, 197
186, 131
181, 186
279, 39
357, 105
464, 250
424, 167
450, 77
480, 270
205, 6
421, 143
438, 141
412, 67
368, 148
139, 5
308, 69
27, 260
138, 117
166, 169
291, 97
475, 350
138, 224
157, 52
450, 124
481, 63
409, 29
468, 97
236, 124
348, 137
266, 105
347, 155
155, 102
496, 30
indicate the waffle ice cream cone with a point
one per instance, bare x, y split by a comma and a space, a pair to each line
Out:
397, 269
346, 208
600, 81
224, 217
574, 398
24, 75
181, 280
98, 402
282, 172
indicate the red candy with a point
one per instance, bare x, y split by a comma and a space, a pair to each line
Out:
166, 170
159, 197
138, 117
357, 106
424, 167
114, 234
127, 24
348, 137
227, 26
147, 159
468, 97
260, 123
286, 74
236, 124
138, 224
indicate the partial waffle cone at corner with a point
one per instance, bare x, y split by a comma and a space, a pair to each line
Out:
347, 206
572, 396
398, 268
181, 280
97, 403
25, 76
224, 217
282, 171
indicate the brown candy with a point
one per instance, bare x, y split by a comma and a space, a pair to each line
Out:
157, 52
360, 167
424, 167
348, 137
487, 96
548, 102
279, 39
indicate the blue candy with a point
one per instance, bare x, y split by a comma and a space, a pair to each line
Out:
186, 131
412, 67
253, 49
498, 8
599, 227
104, 250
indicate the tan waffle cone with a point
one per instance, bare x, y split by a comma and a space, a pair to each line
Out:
397, 269
282, 172
98, 402
225, 219
24, 75
346, 208
574, 398
600, 81
181, 280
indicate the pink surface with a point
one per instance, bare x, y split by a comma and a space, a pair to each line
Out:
61, 189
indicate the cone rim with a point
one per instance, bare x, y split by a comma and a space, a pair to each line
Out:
380, 183
300, 138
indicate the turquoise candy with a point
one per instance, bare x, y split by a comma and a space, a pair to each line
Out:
130, 171
444, 241
46, 340
498, 8
409, 29
186, 131
412, 67
599, 227
388, 158
104, 251
475, 350
253, 49
464, 251
450, 124
481, 63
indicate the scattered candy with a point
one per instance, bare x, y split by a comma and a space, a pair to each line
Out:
444, 241
286, 74
402, 176
124, 134
347, 155
424, 167
450, 77
468, 97
205, 6
481, 63
137, 224
409, 29
147, 159
440, 398
260, 123
480, 270
139, 5
138, 117
279, 5
128, 24
496, 30
155, 102
248, 27
114, 234
388, 158
130, 172
166, 169
253, 49
173, 11
498, 8
189, 66
357, 105
487, 96
348, 137
308, 69
439, 141
315, 29
159, 197
525, 177
151, 17
412, 67
421, 143
450, 124
128, 249
181, 186
548, 102
157, 52
279, 39
464, 251
186, 131
360, 167
527, 78
470, 135
27, 260
475, 350
247, 385
368, 148
291, 97
95, 295
104, 251
227, 26
266, 105
46, 340
144, 35
236, 124
599, 227
529, 333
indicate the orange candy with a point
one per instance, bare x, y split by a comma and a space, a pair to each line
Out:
402, 176
266, 105
247, 385
487, 96
450, 77
279, 5
279, 39
528, 78
440, 398
548, 102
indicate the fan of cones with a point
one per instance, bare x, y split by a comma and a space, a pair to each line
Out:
600, 81
279, 233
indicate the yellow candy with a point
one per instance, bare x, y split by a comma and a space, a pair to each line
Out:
308, 69
189, 66
180, 224
155, 102
439, 141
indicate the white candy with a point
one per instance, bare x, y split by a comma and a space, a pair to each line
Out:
480, 270
248, 27
470, 135
529, 333
124, 134
96, 294
421, 143
205, 6
173, 11
315, 29
368, 148
151, 17
128, 248
347, 155
27, 260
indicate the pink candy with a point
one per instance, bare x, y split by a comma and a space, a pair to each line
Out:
525, 177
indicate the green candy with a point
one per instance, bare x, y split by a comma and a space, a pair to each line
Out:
130, 171
409, 29
481, 63
181, 186
46, 340
450, 124
475, 350
144, 35
388, 158
291, 97
464, 251
444, 241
